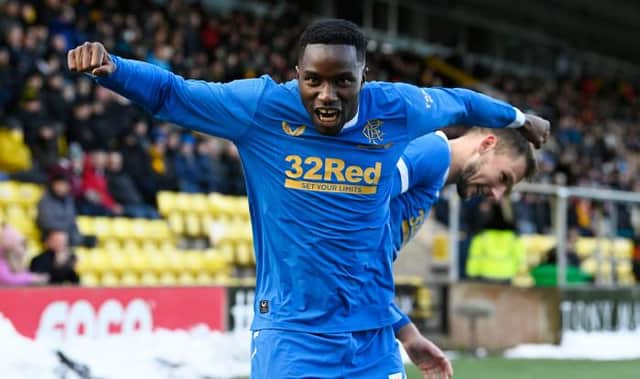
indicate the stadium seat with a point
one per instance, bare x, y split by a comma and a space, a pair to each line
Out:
243, 254
198, 203
159, 263
186, 279
440, 248
203, 279
176, 222
8, 192
193, 261
149, 279
119, 261
129, 279
166, 202
193, 226
622, 248
109, 279
167, 279
122, 228
102, 227
85, 224
28, 193
89, 280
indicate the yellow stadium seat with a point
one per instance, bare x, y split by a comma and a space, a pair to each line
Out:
622, 248
243, 254
129, 279
176, 223
203, 279
167, 279
85, 224
176, 261
29, 193
159, 263
585, 246
109, 279
186, 279
193, 228
166, 202
198, 203
121, 228
8, 192
193, 261
139, 262
213, 261
138, 228
89, 280
102, 227
149, 279
227, 250
215, 201
110, 244
130, 245
98, 262
119, 262
440, 248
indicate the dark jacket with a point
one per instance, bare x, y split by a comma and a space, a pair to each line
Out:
45, 263
58, 213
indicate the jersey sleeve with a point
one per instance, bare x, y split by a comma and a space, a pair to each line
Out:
404, 320
428, 109
423, 164
221, 109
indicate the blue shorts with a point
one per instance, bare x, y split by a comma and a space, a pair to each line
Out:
283, 354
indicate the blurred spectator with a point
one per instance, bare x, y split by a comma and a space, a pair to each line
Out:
162, 164
234, 177
57, 261
497, 254
56, 208
124, 191
135, 148
208, 160
96, 199
13, 269
188, 171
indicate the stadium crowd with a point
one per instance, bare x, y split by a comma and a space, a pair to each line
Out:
55, 125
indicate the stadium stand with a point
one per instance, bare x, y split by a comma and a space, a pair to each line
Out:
206, 237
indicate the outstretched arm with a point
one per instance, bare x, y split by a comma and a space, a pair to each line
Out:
429, 109
224, 110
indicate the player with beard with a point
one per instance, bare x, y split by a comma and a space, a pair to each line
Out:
482, 162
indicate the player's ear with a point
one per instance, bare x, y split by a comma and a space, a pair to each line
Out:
297, 72
488, 143
364, 75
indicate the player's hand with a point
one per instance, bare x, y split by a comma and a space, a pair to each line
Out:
429, 358
536, 129
90, 57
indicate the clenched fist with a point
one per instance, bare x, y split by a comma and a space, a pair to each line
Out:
90, 57
536, 129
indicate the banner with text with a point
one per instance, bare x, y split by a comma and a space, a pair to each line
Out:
66, 313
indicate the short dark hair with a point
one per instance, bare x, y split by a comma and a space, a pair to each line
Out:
515, 145
334, 31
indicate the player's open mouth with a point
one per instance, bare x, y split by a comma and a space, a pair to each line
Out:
327, 115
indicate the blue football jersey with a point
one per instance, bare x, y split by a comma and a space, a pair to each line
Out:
421, 172
319, 204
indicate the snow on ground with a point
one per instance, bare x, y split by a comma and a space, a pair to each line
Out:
201, 353
583, 345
